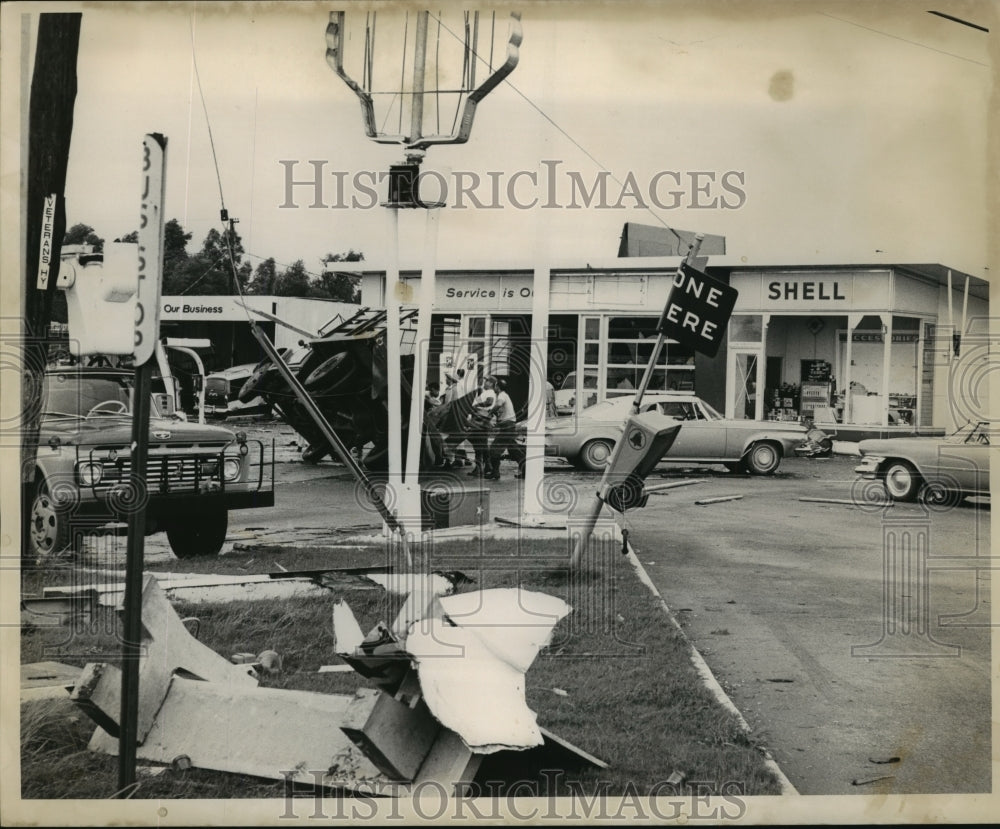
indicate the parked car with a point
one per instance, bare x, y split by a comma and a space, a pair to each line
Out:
222, 393
588, 440
565, 396
942, 470
195, 473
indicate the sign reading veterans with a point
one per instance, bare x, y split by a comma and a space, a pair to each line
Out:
697, 310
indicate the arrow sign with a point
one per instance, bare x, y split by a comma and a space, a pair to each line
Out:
697, 310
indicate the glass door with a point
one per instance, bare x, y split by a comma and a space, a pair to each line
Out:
744, 402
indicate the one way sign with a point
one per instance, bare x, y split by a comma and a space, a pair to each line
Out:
697, 310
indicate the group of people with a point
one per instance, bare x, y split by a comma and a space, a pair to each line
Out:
487, 422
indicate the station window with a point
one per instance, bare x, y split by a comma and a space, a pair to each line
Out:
630, 345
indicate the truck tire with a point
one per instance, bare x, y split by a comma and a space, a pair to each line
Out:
49, 531
196, 535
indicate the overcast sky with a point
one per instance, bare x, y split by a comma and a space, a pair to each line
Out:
846, 132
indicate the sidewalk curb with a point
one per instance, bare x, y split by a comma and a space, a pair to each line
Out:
707, 677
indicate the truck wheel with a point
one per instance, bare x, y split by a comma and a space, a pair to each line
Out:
763, 458
595, 455
902, 482
198, 535
49, 531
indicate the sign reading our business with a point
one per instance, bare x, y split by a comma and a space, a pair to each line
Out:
697, 310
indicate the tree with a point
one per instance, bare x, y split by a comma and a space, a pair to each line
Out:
81, 234
264, 278
339, 286
294, 280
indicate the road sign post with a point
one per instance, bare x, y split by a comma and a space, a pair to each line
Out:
150, 276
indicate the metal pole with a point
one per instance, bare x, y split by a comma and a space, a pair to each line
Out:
394, 378
647, 375
132, 613
428, 280
419, 61
149, 281
324, 426
598, 505
534, 446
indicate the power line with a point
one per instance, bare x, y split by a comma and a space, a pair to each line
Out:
564, 132
903, 39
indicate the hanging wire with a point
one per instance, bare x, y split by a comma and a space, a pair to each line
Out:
208, 123
552, 121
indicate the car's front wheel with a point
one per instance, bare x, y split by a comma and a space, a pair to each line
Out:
902, 483
595, 454
763, 458
198, 535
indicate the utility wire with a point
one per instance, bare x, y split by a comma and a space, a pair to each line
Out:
564, 132
904, 39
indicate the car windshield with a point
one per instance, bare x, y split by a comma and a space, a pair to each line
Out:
710, 413
81, 395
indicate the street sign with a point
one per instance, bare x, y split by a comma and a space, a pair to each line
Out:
697, 310
147, 307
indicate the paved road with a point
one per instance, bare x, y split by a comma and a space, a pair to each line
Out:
781, 596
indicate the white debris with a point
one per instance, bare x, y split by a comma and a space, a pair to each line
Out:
347, 635
472, 671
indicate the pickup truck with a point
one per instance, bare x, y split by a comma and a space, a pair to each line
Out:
195, 473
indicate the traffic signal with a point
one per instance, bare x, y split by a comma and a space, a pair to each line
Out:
645, 439
101, 293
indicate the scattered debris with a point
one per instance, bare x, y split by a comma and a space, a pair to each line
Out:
864, 781
198, 588
656, 488
243, 658
77, 605
347, 635
269, 662
779, 679
559, 692
676, 778
848, 501
497, 633
181, 763
47, 680
424, 722
719, 499
884, 760
167, 648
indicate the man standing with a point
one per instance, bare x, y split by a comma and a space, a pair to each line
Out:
503, 410
479, 427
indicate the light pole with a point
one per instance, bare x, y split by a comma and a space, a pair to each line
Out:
413, 92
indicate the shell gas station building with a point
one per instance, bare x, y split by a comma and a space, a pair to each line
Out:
860, 349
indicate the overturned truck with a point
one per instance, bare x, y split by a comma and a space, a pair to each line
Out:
345, 371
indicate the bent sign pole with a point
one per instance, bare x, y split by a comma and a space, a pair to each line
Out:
147, 311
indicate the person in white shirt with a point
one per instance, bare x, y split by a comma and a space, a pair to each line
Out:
504, 439
479, 426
